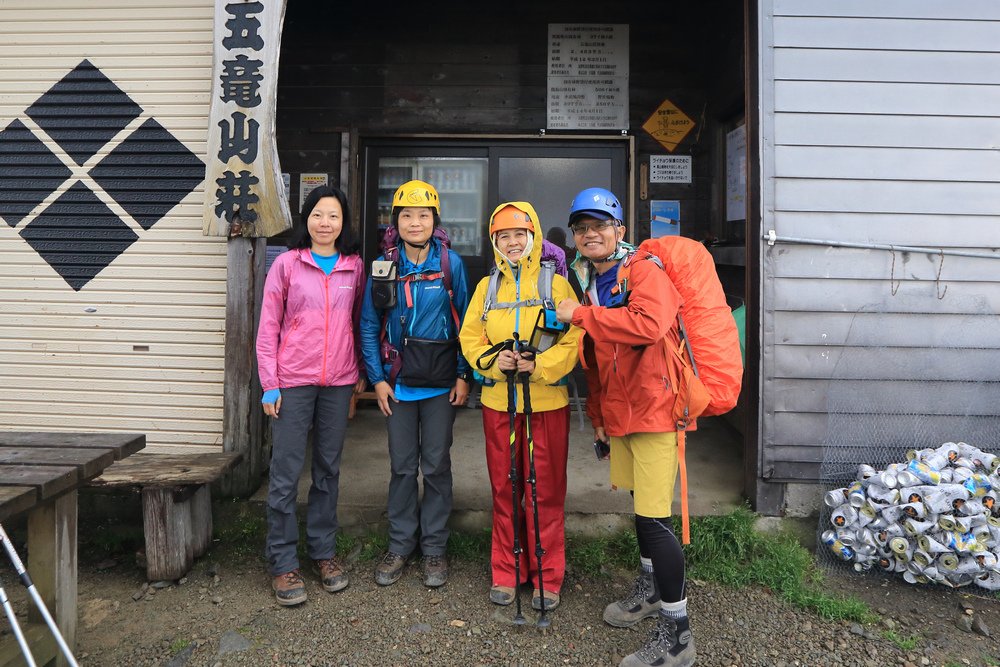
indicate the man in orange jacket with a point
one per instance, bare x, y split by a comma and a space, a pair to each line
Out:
631, 401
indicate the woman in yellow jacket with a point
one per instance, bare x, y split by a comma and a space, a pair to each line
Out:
513, 313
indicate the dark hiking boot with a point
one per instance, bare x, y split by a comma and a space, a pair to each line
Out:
289, 588
435, 570
551, 600
389, 569
332, 574
670, 645
502, 595
642, 602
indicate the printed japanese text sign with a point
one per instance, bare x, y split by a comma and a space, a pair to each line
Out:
244, 191
668, 125
669, 168
588, 73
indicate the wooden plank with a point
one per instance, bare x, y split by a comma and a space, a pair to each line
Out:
886, 164
981, 9
270, 207
924, 330
886, 66
811, 261
933, 230
819, 129
48, 480
863, 196
910, 99
43, 645
123, 444
832, 295
16, 499
52, 533
167, 470
906, 430
884, 363
89, 462
926, 397
902, 34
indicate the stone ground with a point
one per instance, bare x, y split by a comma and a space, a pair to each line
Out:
223, 614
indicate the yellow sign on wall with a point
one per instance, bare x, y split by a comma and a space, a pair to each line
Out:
668, 125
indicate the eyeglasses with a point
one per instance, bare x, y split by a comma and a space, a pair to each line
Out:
580, 230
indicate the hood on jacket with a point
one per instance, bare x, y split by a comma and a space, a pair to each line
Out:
532, 259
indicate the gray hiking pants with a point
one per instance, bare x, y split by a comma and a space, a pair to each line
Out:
325, 410
420, 435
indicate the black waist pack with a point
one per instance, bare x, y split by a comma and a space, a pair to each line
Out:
429, 363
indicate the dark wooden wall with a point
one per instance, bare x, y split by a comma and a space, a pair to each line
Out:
448, 67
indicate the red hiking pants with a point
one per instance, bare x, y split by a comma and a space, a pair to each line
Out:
550, 432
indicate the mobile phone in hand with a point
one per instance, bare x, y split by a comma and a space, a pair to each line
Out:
602, 449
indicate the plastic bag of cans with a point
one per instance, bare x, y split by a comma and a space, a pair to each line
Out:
933, 519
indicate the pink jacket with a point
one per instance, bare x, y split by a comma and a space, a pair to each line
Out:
308, 322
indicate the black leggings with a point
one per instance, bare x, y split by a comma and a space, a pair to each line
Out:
658, 543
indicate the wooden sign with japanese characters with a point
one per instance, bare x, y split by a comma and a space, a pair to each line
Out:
244, 194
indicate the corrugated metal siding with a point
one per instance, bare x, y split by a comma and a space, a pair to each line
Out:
112, 303
880, 123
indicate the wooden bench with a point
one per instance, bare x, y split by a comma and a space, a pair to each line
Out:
176, 504
40, 473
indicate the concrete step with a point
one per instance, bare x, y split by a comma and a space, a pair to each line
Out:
714, 463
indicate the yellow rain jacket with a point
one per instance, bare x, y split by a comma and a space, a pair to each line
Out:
478, 336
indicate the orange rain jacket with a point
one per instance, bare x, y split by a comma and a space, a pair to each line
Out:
630, 375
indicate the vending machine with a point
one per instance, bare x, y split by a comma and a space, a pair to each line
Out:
461, 184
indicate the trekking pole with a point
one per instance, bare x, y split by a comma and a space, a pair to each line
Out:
16, 628
33, 592
543, 621
515, 496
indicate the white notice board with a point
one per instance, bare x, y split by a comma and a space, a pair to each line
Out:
736, 174
669, 168
588, 76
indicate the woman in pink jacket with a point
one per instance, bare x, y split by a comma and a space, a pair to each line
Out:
307, 358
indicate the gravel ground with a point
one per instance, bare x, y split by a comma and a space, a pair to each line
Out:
222, 613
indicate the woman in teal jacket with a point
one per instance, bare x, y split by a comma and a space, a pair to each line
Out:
409, 342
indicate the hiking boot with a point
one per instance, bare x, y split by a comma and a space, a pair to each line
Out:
331, 573
642, 602
289, 588
389, 569
503, 595
435, 570
551, 600
666, 647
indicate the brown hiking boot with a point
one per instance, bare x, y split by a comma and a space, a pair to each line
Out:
389, 569
435, 570
332, 574
289, 589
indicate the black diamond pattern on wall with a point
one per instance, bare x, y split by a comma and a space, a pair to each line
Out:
83, 111
29, 172
149, 173
78, 235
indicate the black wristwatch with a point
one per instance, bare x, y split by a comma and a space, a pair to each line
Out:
467, 376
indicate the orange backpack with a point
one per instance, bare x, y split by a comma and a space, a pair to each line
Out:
703, 350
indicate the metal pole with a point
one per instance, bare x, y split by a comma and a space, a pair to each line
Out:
16, 628
772, 237
33, 592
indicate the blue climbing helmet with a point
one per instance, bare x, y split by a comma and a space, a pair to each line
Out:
596, 203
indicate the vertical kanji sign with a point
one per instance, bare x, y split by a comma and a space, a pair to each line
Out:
244, 194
